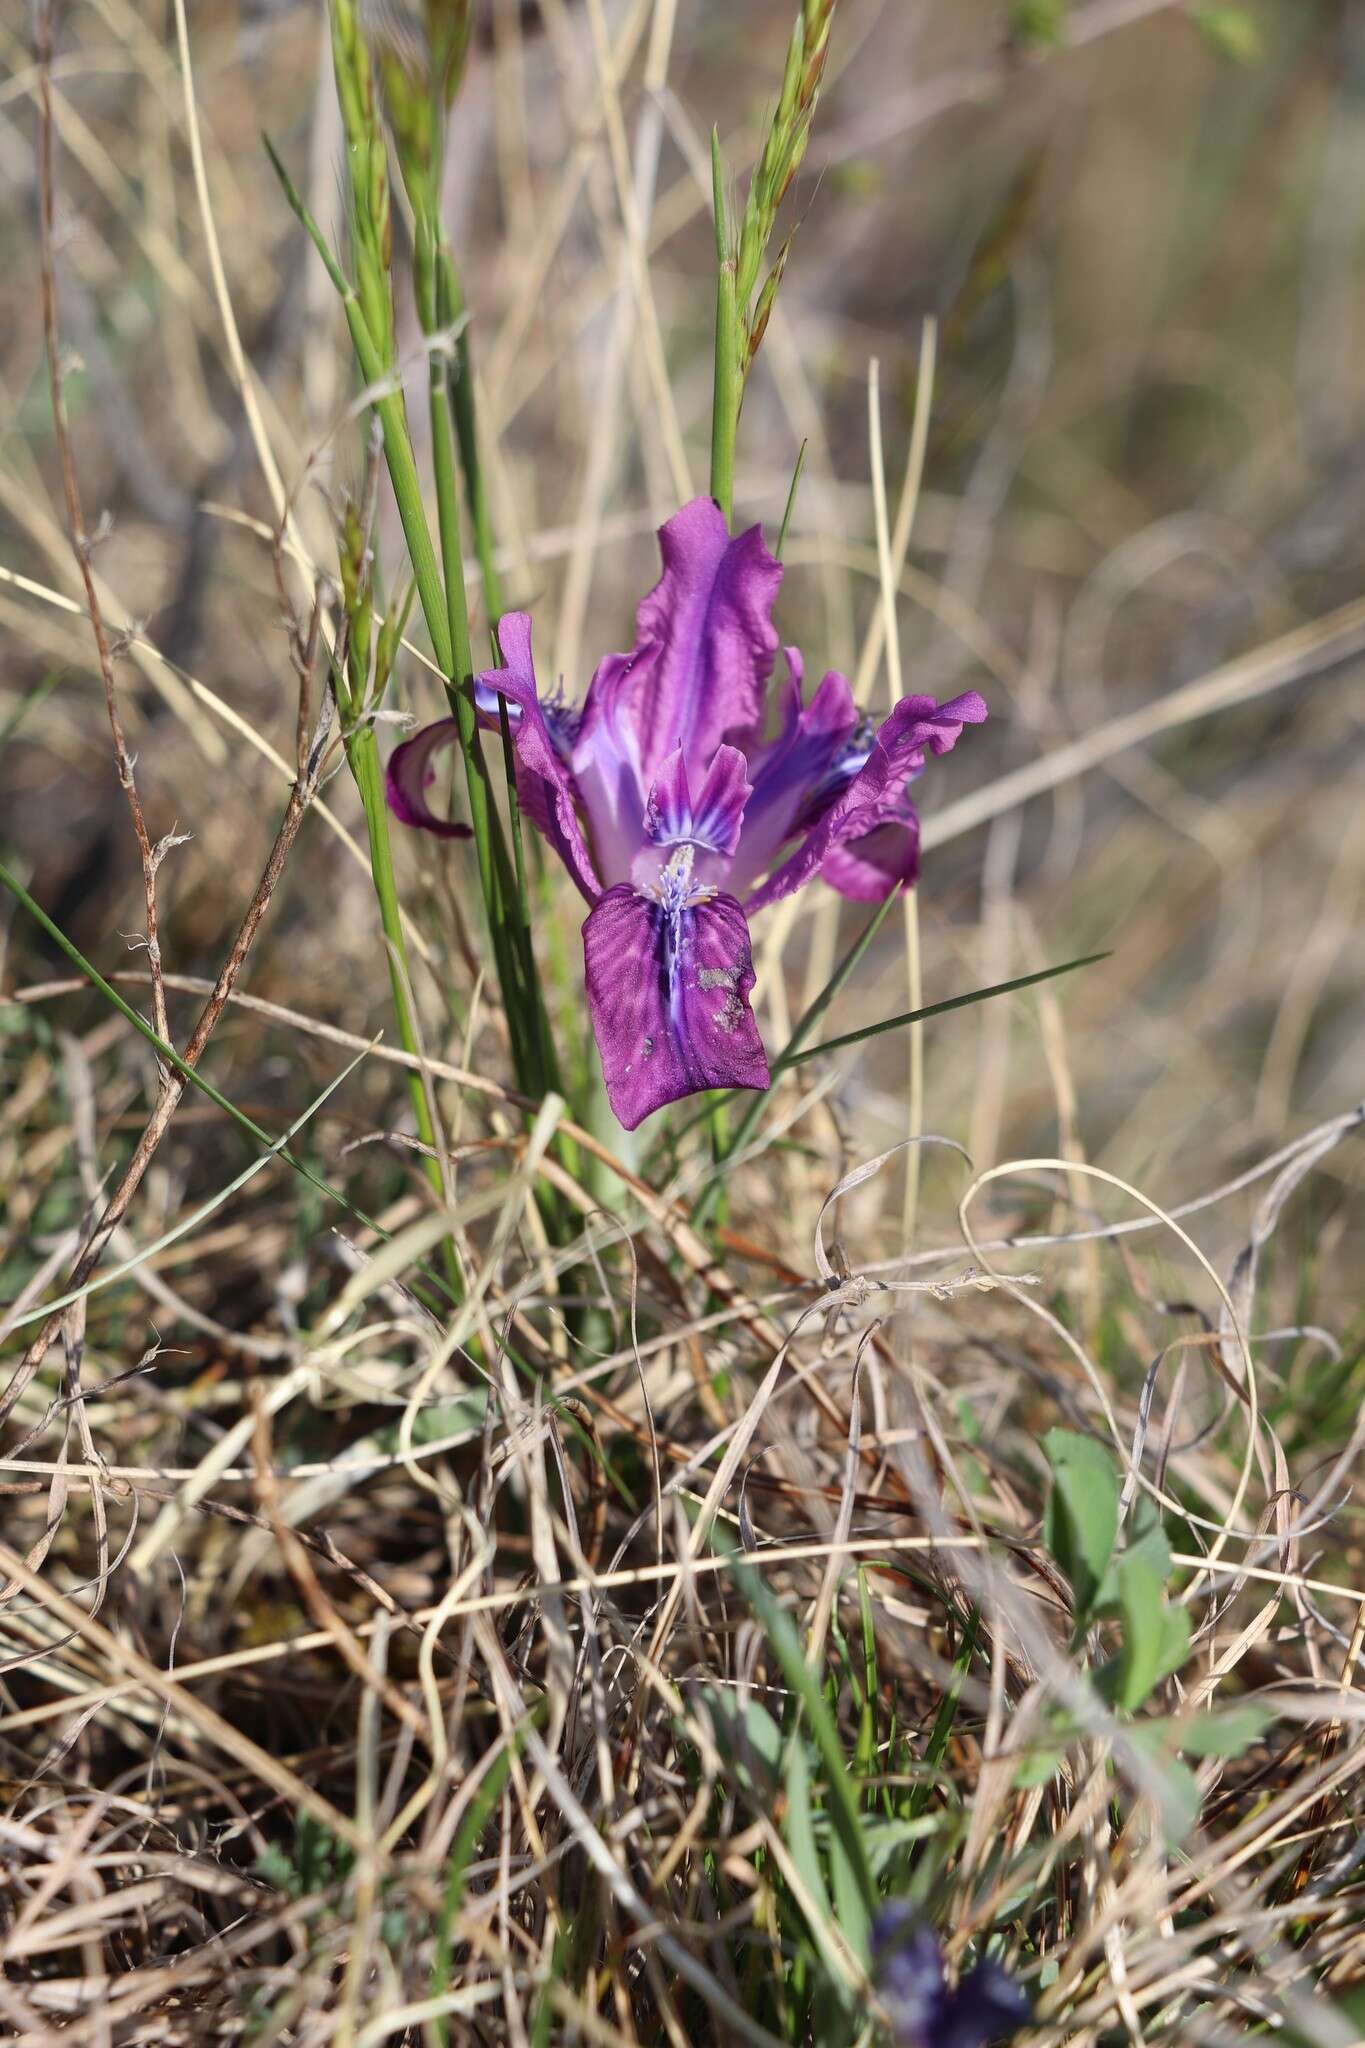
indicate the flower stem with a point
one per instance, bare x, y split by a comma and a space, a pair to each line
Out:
362, 753
725, 393
461, 379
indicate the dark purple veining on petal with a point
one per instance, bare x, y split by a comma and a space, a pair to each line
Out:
710, 819
668, 979
876, 792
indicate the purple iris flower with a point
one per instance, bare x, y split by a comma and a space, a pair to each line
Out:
680, 807
925, 2011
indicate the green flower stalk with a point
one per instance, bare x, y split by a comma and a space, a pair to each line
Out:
416, 79
743, 307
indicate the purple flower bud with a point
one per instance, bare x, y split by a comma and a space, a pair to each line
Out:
924, 2009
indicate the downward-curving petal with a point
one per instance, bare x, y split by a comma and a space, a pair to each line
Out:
876, 794
410, 774
544, 779
793, 769
883, 860
669, 995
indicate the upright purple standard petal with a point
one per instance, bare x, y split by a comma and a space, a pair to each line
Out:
711, 819
544, 780
876, 793
669, 993
698, 672
410, 774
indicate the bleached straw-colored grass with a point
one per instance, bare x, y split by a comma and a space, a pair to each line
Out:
378, 1675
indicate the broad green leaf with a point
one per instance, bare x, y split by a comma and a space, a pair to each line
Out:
1226, 1733
1147, 1538
1176, 1788
1177, 1792
747, 1737
1142, 1607
1175, 1639
1233, 31
799, 1829
1037, 1767
1081, 1523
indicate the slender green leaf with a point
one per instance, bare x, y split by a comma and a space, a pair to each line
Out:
1226, 1733
976, 995
791, 499
947, 1710
850, 1873
1081, 1523
799, 1828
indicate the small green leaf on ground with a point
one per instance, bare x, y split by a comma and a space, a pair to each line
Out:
1081, 1523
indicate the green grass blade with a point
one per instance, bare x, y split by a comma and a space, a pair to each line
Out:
855, 1898
976, 995
171, 1057
947, 1712
791, 499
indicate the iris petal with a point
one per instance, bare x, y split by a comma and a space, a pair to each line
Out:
544, 781
986, 2006
669, 995
710, 820
790, 769
410, 774
699, 670
876, 794
887, 858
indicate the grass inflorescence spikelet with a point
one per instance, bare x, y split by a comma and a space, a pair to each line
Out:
744, 306
784, 149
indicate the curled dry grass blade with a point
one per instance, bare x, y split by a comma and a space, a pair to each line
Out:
597, 1658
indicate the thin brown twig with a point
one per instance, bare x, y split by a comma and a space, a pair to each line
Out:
173, 1089
150, 855
322, 1611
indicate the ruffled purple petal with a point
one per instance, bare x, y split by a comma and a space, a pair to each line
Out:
545, 783
410, 774
876, 792
703, 654
561, 718
798, 767
711, 820
669, 996
886, 859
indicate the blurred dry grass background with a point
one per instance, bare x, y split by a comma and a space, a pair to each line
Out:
1145, 467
